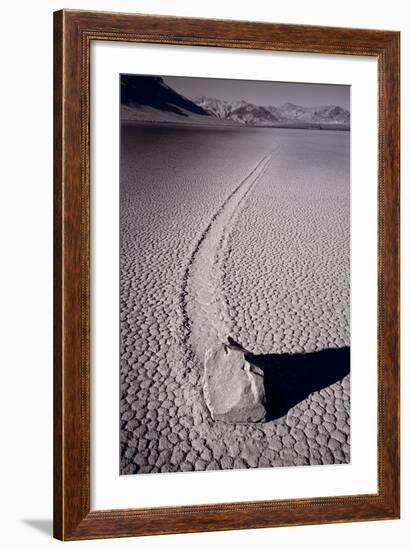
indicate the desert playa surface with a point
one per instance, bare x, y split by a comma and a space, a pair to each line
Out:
240, 232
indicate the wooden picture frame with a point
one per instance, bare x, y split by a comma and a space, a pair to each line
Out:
74, 32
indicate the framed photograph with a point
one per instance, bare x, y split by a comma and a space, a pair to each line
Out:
226, 275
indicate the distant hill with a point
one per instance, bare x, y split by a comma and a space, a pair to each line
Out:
151, 91
239, 111
288, 114
325, 114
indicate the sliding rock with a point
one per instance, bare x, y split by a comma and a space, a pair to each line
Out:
234, 389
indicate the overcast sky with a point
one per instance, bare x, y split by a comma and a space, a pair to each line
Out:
262, 92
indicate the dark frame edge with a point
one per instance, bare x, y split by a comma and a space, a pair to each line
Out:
193, 519
73, 519
389, 272
71, 284
58, 160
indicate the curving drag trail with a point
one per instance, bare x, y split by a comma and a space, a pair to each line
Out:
205, 320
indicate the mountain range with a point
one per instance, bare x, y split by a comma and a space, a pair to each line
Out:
150, 99
288, 113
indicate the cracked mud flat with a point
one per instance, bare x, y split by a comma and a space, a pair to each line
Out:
241, 232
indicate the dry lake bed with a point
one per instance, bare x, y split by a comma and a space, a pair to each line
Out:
239, 232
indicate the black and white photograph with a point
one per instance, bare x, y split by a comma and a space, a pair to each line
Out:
234, 274
203, 275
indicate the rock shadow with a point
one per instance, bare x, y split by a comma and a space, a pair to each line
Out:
291, 378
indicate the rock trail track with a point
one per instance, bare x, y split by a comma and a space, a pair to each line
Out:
205, 317
184, 281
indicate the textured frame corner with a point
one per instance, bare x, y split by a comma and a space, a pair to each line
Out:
73, 33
